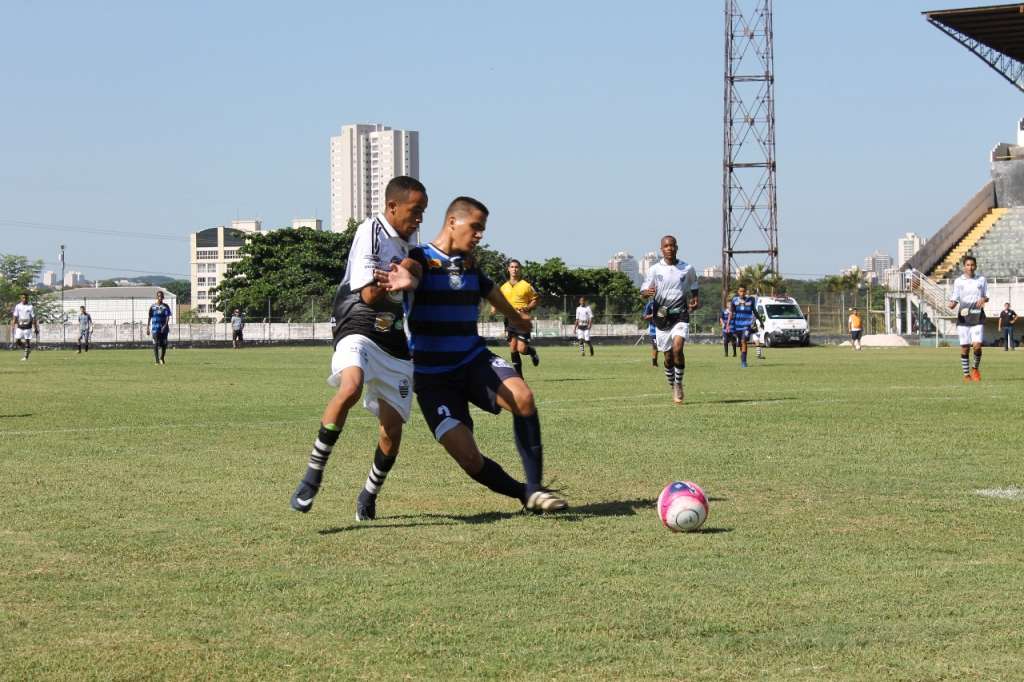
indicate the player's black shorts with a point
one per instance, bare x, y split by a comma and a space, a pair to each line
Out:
160, 338
855, 334
742, 334
515, 334
236, 335
444, 398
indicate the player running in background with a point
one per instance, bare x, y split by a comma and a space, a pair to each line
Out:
727, 337
970, 294
856, 328
371, 355
672, 284
584, 321
651, 331
521, 296
23, 323
84, 329
452, 365
741, 318
159, 326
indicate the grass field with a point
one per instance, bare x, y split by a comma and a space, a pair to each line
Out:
146, 534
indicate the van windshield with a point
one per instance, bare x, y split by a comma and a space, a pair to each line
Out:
783, 311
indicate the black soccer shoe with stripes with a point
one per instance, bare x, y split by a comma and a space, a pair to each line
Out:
366, 506
302, 498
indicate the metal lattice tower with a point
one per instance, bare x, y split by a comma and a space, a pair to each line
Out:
750, 226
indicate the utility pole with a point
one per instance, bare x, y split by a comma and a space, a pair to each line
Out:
63, 321
749, 209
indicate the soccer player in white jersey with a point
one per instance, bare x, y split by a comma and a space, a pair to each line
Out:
371, 353
584, 321
23, 323
970, 294
673, 285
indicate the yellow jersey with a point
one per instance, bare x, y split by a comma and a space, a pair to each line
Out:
520, 295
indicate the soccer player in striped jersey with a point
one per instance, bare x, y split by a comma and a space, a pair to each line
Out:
727, 337
741, 319
970, 294
452, 366
159, 326
371, 354
523, 297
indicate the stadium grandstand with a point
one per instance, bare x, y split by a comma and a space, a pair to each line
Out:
990, 225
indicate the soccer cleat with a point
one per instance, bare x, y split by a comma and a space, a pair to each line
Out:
967, 378
677, 393
654, 362
545, 500
24, 359
743, 363
366, 506
975, 374
302, 499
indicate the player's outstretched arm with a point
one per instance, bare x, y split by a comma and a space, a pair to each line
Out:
404, 276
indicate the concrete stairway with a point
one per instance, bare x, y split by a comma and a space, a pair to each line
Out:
951, 262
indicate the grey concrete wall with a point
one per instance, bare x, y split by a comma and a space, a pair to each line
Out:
1008, 177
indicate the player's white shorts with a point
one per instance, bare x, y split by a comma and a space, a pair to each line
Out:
663, 337
583, 334
385, 377
969, 335
20, 334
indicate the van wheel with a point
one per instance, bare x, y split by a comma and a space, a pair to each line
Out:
767, 340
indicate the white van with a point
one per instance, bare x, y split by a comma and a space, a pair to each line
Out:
781, 321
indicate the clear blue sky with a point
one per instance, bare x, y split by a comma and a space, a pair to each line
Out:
587, 127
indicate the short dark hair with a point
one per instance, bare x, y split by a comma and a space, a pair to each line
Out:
400, 186
464, 204
970, 258
513, 260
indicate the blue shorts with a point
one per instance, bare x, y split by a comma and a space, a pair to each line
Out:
444, 398
855, 335
742, 334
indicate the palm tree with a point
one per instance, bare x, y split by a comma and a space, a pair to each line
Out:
758, 279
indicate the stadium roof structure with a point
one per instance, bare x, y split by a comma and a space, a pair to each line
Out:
995, 34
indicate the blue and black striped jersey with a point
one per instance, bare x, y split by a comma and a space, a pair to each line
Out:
742, 308
159, 317
441, 313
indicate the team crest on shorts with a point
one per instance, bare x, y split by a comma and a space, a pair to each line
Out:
500, 362
403, 388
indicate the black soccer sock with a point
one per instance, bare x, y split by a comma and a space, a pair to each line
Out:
28, 349
163, 351
591, 346
517, 362
725, 346
965, 364
977, 359
531, 351
379, 471
531, 451
322, 447
494, 477
156, 352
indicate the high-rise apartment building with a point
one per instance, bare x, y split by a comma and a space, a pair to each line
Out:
877, 263
50, 278
364, 158
211, 252
624, 262
907, 246
73, 279
312, 223
646, 261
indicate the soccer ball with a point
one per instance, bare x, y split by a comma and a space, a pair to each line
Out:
682, 506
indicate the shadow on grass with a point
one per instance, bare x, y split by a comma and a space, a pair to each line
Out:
14, 416
596, 509
740, 401
555, 381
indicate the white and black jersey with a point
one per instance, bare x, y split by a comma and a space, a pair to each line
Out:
24, 315
673, 284
968, 292
376, 246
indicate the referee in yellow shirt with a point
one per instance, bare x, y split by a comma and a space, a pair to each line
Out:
523, 297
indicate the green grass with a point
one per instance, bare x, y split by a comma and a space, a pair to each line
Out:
145, 530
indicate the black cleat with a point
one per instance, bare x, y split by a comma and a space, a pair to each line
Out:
302, 499
366, 506
535, 358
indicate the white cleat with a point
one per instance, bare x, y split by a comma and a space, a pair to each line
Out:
545, 501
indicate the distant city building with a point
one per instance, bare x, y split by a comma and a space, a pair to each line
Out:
907, 246
311, 223
117, 304
211, 251
364, 158
73, 279
49, 278
646, 261
877, 263
712, 271
625, 263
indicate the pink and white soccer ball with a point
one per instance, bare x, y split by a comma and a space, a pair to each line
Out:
682, 506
